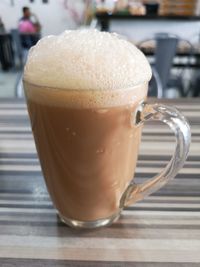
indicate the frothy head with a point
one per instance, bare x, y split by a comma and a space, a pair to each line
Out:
86, 60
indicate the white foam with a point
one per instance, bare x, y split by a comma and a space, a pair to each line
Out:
86, 59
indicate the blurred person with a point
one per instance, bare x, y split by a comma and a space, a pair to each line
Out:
29, 28
29, 22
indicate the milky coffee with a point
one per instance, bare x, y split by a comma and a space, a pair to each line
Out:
82, 88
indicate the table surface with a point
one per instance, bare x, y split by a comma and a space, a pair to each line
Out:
162, 230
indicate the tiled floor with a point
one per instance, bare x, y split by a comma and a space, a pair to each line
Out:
8, 81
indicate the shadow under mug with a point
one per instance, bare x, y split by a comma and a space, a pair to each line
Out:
88, 155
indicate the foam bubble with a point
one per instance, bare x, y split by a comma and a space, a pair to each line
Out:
86, 59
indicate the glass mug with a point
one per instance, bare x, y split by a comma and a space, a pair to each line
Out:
88, 152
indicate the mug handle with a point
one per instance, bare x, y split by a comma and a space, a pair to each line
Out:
179, 125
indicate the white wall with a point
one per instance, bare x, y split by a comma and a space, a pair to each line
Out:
53, 16
55, 19
140, 30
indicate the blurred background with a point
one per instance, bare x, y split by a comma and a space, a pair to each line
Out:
167, 31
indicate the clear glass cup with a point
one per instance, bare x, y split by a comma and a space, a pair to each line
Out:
88, 151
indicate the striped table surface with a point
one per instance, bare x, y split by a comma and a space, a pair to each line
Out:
162, 230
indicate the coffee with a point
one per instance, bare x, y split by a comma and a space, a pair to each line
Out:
83, 124
88, 155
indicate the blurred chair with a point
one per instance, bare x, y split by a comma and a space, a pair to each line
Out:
20, 55
19, 51
195, 85
6, 52
155, 85
165, 52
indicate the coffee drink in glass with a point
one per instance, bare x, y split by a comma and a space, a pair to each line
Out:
85, 92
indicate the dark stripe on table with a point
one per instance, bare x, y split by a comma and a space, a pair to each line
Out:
69, 263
